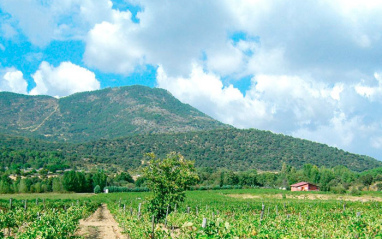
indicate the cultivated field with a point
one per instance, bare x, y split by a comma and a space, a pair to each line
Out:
252, 213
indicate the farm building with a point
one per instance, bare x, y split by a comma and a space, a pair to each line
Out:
304, 186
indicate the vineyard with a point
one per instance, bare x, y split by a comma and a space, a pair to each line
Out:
215, 215
43, 218
204, 214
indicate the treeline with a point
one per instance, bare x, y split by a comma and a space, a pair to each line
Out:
338, 179
70, 181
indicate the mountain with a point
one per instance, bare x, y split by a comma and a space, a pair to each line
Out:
117, 126
232, 149
102, 114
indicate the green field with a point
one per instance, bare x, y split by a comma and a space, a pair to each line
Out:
228, 213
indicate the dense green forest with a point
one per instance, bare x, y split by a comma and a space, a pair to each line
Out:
232, 149
102, 114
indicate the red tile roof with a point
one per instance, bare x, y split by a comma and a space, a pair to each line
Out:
299, 184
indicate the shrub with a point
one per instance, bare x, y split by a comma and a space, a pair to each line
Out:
355, 192
97, 189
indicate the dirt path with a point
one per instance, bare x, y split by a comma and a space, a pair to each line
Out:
100, 225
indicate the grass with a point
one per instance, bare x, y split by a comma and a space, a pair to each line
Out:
30, 196
191, 195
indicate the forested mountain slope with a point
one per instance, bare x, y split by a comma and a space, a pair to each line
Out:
102, 114
232, 149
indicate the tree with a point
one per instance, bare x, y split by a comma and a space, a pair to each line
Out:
70, 181
24, 185
124, 176
168, 179
231, 178
99, 178
57, 185
248, 178
97, 189
140, 182
366, 179
5, 184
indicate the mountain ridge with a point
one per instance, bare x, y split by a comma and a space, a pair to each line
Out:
107, 113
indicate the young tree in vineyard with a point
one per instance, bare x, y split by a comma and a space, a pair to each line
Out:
168, 179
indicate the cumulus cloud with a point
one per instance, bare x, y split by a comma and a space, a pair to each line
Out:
53, 20
172, 35
373, 93
63, 80
207, 93
12, 80
111, 47
270, 100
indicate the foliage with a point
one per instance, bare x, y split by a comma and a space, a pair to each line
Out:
116, 189
124, 176
229, 217
44, 219
97, 189
168, 179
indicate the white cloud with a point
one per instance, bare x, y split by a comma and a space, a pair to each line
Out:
53, 20
12, 80
373, 93
63, 80
348, 133
206, 92
7, 31
338, 132
173, 35
281, 103
110, 47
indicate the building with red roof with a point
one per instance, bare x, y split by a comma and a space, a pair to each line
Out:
304, 186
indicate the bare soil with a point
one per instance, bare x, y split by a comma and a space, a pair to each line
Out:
100, 225
310, 197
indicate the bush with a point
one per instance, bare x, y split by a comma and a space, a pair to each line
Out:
97, 189
338, 189
116, 189
355, 192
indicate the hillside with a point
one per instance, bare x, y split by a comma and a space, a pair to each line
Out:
102, 114
228, 148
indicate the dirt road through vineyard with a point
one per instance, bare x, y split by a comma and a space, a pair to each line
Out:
100, 225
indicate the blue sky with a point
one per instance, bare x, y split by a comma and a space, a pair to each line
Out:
312, 70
